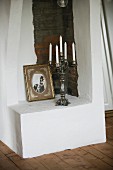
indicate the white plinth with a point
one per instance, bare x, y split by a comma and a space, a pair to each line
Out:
46, 128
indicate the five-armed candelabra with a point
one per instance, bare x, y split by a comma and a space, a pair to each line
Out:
62, 69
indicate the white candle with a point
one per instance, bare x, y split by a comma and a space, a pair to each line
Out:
73, 51
65, 51
57, 58
61, 44
50, 52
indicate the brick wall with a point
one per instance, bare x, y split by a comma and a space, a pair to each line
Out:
50, 21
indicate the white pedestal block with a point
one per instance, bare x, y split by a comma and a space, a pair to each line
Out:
44, 128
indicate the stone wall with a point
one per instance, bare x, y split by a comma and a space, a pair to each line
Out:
50, 21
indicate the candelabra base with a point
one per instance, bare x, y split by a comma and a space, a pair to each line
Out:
62, 102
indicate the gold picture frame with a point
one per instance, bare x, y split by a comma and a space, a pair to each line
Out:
38, 82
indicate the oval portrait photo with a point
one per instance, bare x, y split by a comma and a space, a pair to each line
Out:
39, 83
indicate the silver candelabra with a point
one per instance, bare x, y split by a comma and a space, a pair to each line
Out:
62, 69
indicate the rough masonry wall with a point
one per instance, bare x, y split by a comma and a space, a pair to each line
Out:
50, 21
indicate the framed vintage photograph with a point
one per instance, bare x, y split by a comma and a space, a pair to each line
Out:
38, 82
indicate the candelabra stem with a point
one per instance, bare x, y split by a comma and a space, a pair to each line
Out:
62, 101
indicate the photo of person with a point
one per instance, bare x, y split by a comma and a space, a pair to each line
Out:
38, 83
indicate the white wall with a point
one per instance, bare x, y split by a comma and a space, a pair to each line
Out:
16, 49
20, 49
26, 47
81, 13
108, 5
13, 41
4, 22
107, 56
